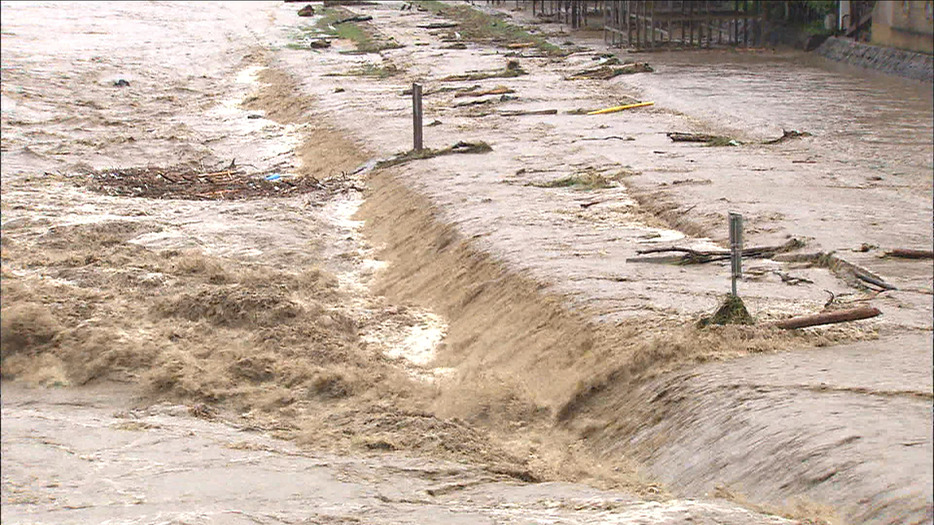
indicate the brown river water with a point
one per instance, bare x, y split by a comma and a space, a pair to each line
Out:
878, 121
847, 426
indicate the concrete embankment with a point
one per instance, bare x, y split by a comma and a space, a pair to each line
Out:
908, 64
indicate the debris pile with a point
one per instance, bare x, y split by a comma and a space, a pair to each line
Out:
183, 182
513, 69
606, 72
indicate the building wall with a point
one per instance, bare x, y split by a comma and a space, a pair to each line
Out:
907, 24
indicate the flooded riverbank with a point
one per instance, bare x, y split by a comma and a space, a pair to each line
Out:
475, 309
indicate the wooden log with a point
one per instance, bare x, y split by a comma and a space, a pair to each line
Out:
520, 113
906, 253
840, 316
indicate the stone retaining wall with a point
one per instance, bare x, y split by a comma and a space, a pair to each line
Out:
918, 66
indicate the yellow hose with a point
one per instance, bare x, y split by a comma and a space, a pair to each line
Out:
620, 108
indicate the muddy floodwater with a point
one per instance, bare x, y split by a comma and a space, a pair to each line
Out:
873, 120
228, 297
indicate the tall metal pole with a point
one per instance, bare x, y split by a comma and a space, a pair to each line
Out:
736, 248
417, 116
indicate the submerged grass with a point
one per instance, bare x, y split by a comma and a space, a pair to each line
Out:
588, 180
477, 26
365, 39
370, 70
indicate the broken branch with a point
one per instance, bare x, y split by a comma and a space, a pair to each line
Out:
906, 253
606, 72
519, 113
760, 251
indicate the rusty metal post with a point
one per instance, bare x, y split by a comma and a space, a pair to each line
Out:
736, 248
417, 116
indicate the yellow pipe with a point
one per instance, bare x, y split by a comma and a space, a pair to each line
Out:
620, 108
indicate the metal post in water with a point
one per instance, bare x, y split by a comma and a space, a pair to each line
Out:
736, 248
417, 116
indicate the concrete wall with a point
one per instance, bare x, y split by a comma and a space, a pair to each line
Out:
904, 24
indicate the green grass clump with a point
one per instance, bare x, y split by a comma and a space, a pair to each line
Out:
731, 311
365, 40
477, 26
718, 142
375, 71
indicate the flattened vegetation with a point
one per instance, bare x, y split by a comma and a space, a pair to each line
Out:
477, 26
586, 180
186, 183
339, 23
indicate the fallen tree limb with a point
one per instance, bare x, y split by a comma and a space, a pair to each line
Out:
611, 137
854, 275
427, 153
665, 259
839, 316
444, 89
519, 113
867, 277
475, 102
710, 140
759, 251
788, 135
692, 256
607, 72
791, 279
498, 90
905, 253
678, 136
